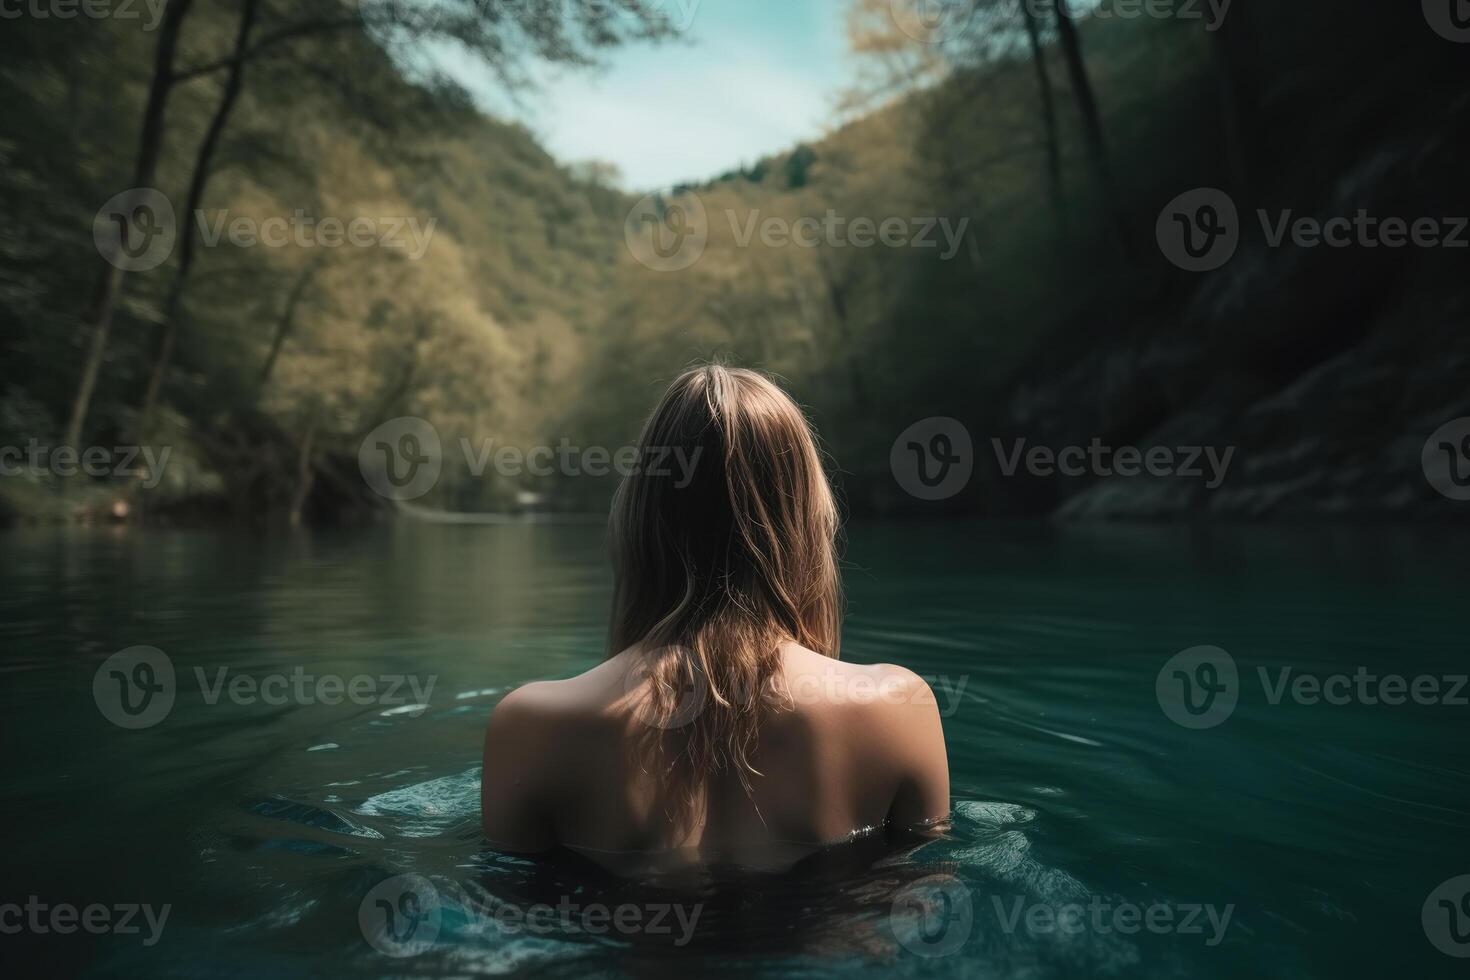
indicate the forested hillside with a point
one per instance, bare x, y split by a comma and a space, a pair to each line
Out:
502, 296
486, 262
1061, 319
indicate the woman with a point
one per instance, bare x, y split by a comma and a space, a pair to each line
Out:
722, 728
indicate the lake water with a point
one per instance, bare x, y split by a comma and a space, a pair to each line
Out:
1093, 834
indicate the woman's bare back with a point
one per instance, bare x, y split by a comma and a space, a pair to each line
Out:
842, 749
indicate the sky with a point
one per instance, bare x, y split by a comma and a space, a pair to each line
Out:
745, 78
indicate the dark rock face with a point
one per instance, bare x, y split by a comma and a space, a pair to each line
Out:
1325, 369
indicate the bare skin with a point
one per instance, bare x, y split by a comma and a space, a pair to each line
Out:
854, 748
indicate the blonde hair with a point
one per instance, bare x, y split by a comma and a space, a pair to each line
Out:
718, 565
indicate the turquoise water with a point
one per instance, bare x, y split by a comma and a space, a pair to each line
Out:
1289, 840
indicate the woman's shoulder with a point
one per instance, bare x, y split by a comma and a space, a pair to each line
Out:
813, 677
588, 696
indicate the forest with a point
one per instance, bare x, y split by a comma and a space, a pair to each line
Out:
322, 232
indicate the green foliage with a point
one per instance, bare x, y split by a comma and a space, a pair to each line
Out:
527, 321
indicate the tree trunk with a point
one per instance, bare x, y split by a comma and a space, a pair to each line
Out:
400, 390
1092, 130
1236, 101
837, 298
1048, 110
197, 183
145, 166
288, 320
305, 472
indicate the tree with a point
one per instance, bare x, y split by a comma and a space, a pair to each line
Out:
1229, 50
234, 79
1092, 128
1048, 107
892, 62
503, 39
150, 145
287, 321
